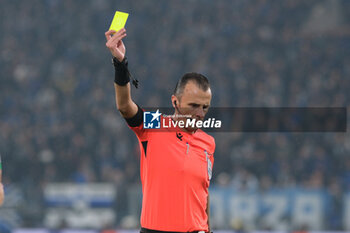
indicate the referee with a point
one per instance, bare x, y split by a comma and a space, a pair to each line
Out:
175, 165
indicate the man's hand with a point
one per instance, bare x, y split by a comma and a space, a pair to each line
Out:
115, 44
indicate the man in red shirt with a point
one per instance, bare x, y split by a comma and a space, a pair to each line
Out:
176, 163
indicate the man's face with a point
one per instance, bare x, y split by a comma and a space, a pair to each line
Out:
193, 101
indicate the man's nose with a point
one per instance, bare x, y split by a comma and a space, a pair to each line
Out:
200, 113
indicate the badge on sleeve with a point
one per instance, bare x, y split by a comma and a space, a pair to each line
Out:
209, 165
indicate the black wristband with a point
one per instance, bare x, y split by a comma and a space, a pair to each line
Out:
122, 75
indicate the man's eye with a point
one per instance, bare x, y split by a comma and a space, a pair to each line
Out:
194, 105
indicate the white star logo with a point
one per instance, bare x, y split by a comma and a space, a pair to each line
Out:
155, 115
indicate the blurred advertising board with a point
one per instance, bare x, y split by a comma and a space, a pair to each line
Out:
88, 206
91, 206
68, 194
278, 209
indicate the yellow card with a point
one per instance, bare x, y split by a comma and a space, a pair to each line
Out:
119, 21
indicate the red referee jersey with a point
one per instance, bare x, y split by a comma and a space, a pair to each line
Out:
175, 174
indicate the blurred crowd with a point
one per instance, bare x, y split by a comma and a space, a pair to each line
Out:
59, 123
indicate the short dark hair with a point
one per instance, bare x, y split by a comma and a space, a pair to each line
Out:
199, 79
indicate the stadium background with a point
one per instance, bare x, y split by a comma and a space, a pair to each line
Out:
59, 124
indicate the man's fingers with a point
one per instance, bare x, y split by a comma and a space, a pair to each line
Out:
108, 34
121, 31
118, 35
115, 39
112, 43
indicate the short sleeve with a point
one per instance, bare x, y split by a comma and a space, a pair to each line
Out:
135, 123
212, 150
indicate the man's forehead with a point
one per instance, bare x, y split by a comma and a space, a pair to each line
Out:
193, 88
193, 93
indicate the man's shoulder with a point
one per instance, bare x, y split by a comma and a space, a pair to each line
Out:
207, 137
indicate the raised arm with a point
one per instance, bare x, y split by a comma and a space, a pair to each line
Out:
125, 104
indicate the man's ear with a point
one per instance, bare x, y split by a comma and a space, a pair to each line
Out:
174, 101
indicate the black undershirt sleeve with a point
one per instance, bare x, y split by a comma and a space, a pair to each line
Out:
137, 119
